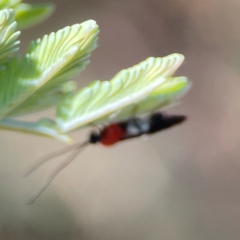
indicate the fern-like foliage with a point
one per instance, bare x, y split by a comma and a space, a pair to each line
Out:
128, 87
8, 36
42, 100
165, 95
47, 64
42, 78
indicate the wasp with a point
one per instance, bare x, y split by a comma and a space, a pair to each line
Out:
108, 136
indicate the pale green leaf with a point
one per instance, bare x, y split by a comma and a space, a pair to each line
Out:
48, 63
127, 87
43, 127
42, 100
9, 3
8, 35
28, 15
163, 96
170, 92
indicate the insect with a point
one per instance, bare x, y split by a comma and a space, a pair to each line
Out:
108, 136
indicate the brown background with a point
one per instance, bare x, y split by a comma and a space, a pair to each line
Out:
181, 184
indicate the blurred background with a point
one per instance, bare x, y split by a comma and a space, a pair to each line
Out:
181, 184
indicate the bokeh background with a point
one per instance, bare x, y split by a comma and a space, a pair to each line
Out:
181, 184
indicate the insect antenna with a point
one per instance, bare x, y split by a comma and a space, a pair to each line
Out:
64, 164
48, 157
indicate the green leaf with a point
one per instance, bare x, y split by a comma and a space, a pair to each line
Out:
48, 63
163, 96
127, 87
170, 92
43, 127
9, 3
28, 15
8, 36
42, 100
